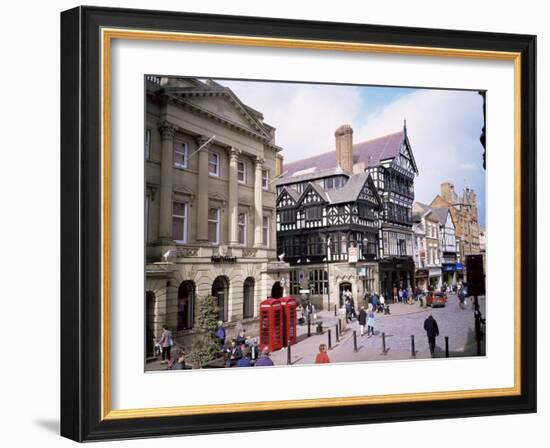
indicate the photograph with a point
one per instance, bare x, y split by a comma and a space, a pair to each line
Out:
295, 223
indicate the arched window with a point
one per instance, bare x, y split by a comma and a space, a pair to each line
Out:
248, 298
186, 305
220, 290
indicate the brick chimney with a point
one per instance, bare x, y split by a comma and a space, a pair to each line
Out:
278, 165
448, 192
344, 147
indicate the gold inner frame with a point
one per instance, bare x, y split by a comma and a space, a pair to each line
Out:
107, 35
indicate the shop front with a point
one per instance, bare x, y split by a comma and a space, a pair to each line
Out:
421, 279
396, 273
434, 279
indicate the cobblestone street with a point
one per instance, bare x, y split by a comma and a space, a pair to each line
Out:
405, 320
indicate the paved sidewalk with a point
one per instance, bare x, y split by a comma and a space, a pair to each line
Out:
405, 320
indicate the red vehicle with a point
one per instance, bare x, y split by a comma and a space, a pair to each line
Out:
434, 299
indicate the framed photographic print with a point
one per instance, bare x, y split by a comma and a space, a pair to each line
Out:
273, 223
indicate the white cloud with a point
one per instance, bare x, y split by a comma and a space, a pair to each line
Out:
305, 115
443, 127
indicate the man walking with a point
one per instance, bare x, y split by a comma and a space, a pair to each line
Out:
362, 320
432, 331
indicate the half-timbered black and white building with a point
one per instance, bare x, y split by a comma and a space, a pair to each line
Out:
357, 197
327, 229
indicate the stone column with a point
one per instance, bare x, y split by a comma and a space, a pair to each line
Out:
166, 183
202, 192
258, 206
233, 197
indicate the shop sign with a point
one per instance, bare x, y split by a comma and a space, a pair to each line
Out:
362, 271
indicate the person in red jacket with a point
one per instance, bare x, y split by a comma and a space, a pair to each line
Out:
322, 357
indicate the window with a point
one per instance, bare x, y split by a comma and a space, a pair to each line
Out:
265, 179
265, 234
402, 246
241, 172
318, 281
288, 216
242, 224
180, 154
313, 213
147, 144
214, 163
179, 222
214, 225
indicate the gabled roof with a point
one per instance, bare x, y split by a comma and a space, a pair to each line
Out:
317, 188
371, 152
291, 192
311, 174
420, 210
186, 95
352, 189
441, 214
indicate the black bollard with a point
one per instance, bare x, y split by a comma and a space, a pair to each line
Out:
355, 341
308, 328
337, 334
335, 310
413, 351
446, 346
330, 339
384, 351
340, 325
288, 355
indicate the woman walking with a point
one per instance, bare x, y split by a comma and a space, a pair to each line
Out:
370, 323
166, 342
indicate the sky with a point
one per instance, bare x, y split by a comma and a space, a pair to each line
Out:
443, 126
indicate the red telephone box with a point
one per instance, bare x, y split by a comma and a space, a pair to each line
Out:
271, 324
289, 320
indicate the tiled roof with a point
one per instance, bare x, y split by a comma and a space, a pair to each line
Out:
350, 191
310, 175
371, 152
440, 214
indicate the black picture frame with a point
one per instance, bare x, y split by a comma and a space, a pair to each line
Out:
81, 224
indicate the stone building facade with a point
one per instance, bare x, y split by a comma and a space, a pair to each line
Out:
210, 161
463, 209
428, 222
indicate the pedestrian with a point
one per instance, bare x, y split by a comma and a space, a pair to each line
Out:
370, 323
166, 342
234, 354
241, 338
362, 320
400, 293
348, 310
253, 349
264, 359
180, 361
432, 331
244, 360
322, 357
220, 333
310, 311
